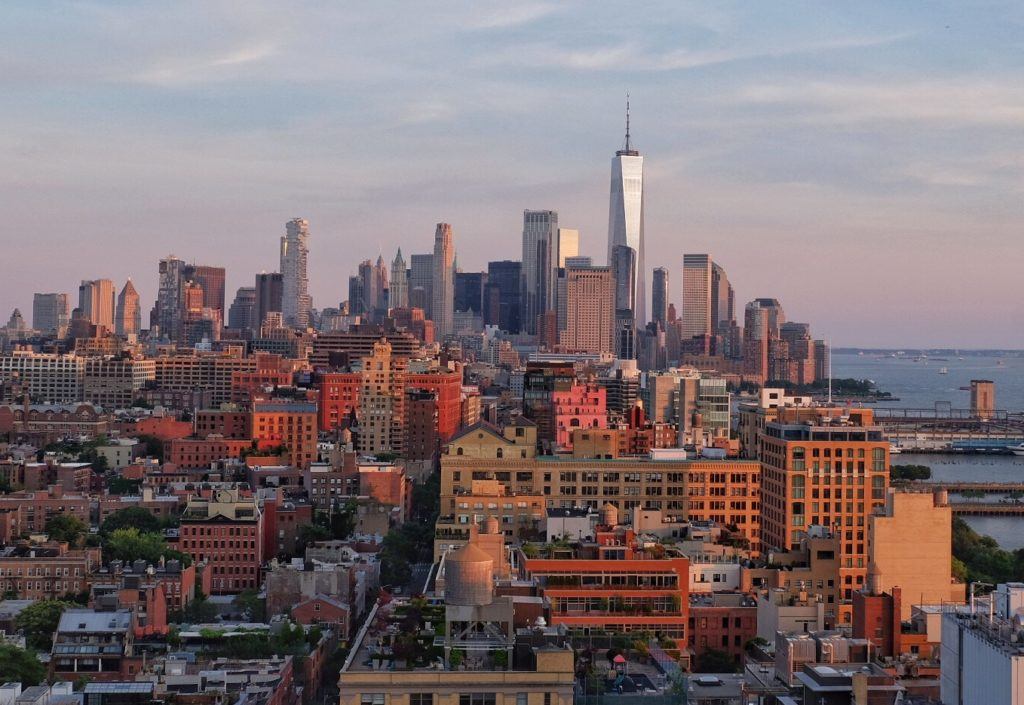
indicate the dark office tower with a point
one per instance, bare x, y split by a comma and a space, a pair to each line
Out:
269, 295
442, 307
659, 297
380, 284
421, 277
623, 265
212, 281
169, 306
242, 314
469, 291
355, 295
539, 266
723, 300
625, 335
505, 277
368, 280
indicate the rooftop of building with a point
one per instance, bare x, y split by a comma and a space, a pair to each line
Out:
92, 622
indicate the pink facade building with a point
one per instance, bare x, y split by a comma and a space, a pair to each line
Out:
581, 406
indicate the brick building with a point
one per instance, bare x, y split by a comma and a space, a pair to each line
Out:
225, 531
45, 571
337, 398
289, 424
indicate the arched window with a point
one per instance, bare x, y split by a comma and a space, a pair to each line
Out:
500, 453
458, 451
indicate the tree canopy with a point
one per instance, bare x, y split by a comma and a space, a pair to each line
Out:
130, 544
130, 518
21, 666
979, 558
66, 527
39, 621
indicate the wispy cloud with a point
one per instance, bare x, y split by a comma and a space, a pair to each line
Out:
507, 16
950, 102
217, 66
632, 56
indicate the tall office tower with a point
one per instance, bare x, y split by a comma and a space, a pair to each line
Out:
503, 295
421, 282
723, 300
659, 296
398, 290
169, 301
355, 295
296, 305
775, 316
469, 291
695, 296
211, 279
626, 216
242, 314
567, 245
442, 306
369, 288
539, 268
96, 301
269, 295
51, 314
590, 318
129, 311
756, 335
380, 284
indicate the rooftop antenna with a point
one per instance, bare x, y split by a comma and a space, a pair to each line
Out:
627, 121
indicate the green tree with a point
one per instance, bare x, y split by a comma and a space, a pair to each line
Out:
249, 601
39, 621
715, 661
21, 666
910, 472
122, 485
130, 545
130, 518
66, 527
154, 446
309, 534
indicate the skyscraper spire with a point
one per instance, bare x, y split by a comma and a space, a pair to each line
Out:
627, 122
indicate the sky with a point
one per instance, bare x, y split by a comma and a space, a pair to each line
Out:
861, 162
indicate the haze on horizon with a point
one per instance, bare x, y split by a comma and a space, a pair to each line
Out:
863, 164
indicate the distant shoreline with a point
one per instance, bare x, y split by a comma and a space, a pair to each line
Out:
911, 352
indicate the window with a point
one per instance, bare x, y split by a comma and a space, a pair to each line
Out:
372, 699
522, 698
421, 699
477, 698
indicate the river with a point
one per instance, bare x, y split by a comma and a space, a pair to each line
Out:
918, 385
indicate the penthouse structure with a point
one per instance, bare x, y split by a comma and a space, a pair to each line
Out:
614, 583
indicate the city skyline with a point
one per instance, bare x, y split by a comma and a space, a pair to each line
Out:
836, 143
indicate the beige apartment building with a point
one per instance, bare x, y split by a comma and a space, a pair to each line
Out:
589, 310
910, 547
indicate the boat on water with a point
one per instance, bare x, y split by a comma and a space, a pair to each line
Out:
1016, 450
895, 449
943, 370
